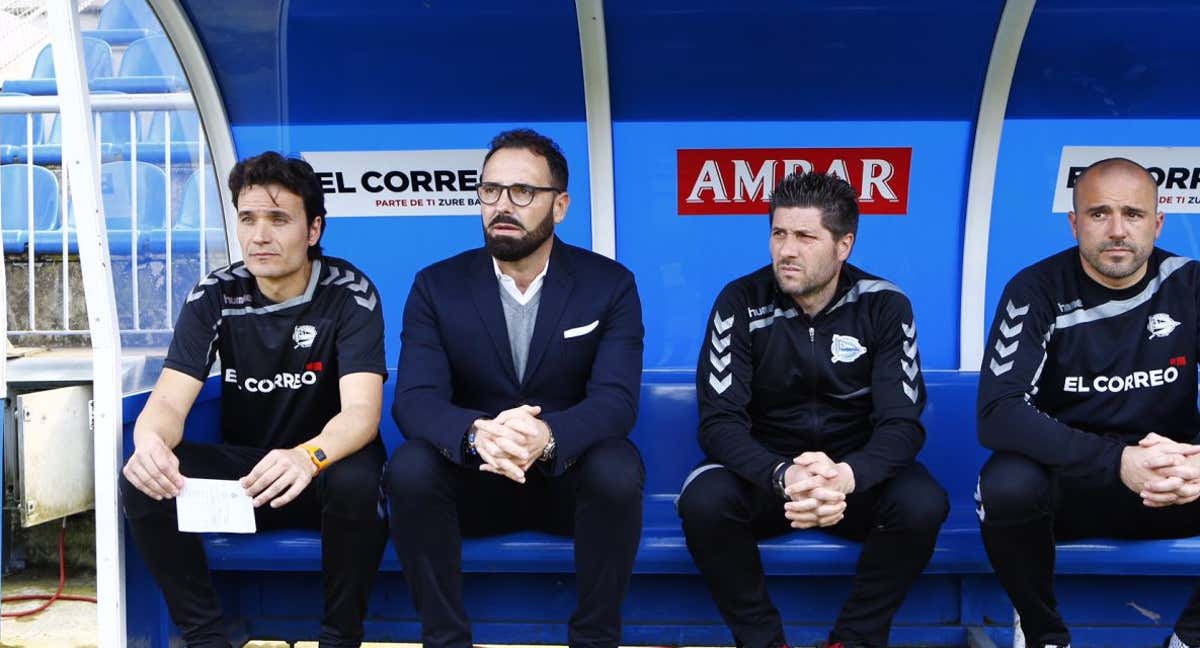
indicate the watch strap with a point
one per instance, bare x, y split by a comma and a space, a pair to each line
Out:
317, 456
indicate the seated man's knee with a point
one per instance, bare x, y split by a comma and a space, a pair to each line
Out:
922, 507
1013, 489
415, 470
351, 486
137, 504
612, 472
708, 500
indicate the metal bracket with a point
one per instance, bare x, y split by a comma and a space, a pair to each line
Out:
977, 638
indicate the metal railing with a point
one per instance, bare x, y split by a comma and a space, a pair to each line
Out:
145, 268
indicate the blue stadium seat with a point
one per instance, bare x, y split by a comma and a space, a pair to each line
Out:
187, 226
151, 56
112, 129
129, 85
13, 129
185, 138
116, 190
125, 21
127, 14
97, 59
14, 204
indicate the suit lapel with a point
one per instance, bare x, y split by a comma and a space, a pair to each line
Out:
555, 292
485, 292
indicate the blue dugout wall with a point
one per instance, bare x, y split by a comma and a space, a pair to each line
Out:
369, 75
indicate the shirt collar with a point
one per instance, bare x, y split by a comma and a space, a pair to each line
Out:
508, 284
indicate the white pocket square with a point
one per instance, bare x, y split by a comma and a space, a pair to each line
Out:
580, 330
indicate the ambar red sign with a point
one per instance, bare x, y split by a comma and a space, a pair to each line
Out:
740, 181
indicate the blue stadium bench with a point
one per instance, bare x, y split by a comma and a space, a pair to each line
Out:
519, 587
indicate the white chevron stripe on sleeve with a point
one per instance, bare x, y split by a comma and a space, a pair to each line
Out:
1000, 369
333, 274
910, 349
1014, 312
1010, 331
368, 302
720, 343
1003, 350
910, 391
361, 286
722, 325
720, 386
720, 363
910, 330
910, 369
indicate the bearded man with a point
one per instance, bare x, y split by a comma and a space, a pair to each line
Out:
810, 391
516, 390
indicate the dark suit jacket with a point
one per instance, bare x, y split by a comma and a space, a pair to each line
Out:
585, 359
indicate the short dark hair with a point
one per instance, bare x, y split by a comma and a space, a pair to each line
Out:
538, 144
1109, 163
293, 174
837, 200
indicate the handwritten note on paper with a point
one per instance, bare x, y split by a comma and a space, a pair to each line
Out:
214, 506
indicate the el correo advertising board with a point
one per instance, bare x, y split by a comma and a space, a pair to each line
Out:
399, 183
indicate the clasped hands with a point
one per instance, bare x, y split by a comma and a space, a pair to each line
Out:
1161, 471
511, 442
816, 488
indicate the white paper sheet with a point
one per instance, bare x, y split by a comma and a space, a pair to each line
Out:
214, 506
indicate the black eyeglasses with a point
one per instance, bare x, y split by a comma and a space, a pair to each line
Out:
519, 193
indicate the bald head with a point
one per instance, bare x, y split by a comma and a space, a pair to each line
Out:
1117, 168
1116, 221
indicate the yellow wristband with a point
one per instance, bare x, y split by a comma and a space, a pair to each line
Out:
317, 455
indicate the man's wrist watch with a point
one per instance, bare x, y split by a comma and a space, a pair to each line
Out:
317, 456
548, 451
779, 479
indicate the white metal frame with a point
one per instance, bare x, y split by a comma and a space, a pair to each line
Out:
213, 119
49, 104
594, 49
981, 188
82, 166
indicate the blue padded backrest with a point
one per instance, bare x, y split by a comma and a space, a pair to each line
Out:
151, 56
14, 197
666, 430
116, 189
185, 126
12, 126
97, 60
113, 126
189, 209
127, 14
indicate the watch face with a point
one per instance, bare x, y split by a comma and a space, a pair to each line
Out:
319, 454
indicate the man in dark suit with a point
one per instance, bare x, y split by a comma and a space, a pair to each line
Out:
517, 389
